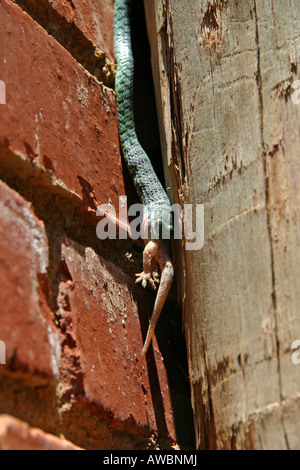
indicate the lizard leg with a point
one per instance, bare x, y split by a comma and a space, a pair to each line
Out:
149, 263
167, 274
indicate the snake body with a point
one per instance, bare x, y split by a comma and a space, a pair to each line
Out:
156, 203
157, 209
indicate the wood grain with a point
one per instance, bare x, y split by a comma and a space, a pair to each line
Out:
230, 133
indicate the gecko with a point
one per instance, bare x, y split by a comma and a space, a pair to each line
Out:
157, 216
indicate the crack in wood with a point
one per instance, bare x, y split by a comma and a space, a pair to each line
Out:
269, 213
211, 25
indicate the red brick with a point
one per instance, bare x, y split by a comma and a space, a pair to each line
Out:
25, 318
94, 18
60, 120
57, 116
99, 311
17, 435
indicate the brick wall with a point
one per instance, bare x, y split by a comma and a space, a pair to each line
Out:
71, 317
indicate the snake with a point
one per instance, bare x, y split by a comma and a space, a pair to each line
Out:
157, 214
157, 207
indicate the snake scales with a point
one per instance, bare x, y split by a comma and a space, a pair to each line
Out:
157, 218
151, 193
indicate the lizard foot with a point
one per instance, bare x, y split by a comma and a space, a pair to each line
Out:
147, 277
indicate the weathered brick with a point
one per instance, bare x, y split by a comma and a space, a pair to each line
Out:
58, 117
59, 129
25, 318
94, 18
17, 435
84, 28
98, 309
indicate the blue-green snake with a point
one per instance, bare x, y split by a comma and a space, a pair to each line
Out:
156, 203
157, 216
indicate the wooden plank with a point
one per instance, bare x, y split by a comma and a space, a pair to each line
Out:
230, 132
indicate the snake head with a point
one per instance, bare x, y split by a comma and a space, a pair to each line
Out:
158, 223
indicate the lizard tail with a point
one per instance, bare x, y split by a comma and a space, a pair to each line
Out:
167, 273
